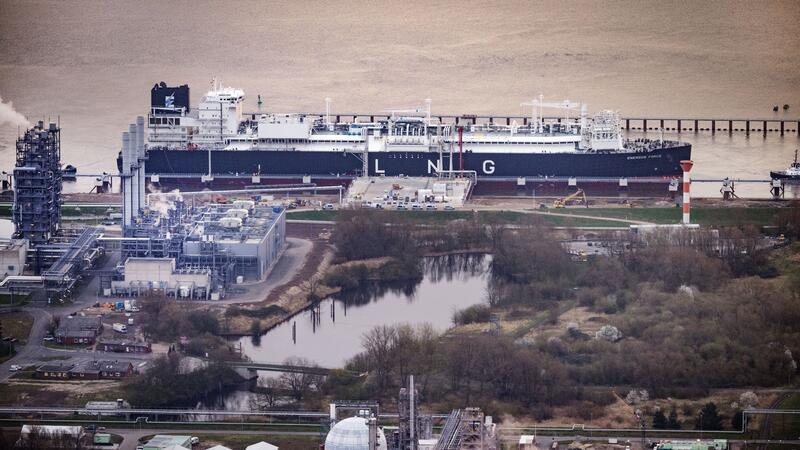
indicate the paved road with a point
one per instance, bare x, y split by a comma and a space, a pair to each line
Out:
34, 351
292, 260
131, 437
33, 348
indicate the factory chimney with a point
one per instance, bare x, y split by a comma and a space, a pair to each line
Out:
686, 165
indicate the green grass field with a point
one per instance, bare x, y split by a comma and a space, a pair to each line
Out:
700, 215
17, 325
703, 216
438, 217
787, 426
72, 210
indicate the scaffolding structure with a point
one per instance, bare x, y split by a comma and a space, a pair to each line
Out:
467, 429
58, 256
37, 191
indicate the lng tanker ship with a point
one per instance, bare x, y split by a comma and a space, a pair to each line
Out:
218, 138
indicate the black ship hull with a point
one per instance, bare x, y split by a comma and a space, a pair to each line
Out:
653, 163
782, 175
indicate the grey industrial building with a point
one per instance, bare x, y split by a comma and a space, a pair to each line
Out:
197, 252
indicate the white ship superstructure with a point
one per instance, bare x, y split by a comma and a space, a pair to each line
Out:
219, 123
218, 137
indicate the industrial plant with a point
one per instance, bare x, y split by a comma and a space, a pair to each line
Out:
167, 246
187, 250
463, 429
43, 256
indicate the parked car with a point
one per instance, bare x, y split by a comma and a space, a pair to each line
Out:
430, 207
49, 338
328, 207
195, 440
416, 206
449, 208
15, 368
401, 207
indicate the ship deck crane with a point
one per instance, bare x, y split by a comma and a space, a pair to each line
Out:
539, 103
426, 109
562, 202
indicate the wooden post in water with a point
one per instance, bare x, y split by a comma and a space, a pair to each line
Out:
679, 126
695, 125
713, 127
781, 128
644, 124
765, 129
747, 123
627, 124
730, 127
662, 124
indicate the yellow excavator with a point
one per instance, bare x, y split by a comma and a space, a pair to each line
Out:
564, 201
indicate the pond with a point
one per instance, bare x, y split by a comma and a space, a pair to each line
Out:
333, 335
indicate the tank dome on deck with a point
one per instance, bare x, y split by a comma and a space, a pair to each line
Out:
352, 434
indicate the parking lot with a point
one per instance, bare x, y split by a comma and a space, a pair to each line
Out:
408, 193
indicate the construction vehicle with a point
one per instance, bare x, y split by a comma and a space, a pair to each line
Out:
564, 201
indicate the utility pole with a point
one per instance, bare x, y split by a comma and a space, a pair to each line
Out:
642, 425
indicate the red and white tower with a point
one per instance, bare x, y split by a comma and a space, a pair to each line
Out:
686, 165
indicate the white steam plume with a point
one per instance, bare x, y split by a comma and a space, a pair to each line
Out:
162, 202
8, 115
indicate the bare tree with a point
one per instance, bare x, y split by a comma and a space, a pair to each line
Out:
378, 344
40, 438
299, 383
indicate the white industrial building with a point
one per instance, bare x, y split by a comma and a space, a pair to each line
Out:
12, 257
144, 275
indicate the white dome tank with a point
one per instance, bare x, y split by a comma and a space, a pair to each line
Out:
352, 434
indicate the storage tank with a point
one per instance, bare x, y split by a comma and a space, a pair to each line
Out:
230, 222
244, 204
237, 212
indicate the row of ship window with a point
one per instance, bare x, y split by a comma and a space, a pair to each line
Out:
165, 121
292, 141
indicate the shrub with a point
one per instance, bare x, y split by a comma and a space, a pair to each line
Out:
472, 314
